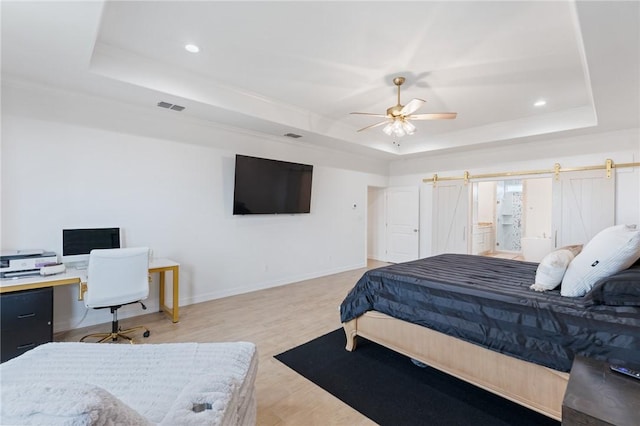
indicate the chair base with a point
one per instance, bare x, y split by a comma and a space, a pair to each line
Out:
113, 336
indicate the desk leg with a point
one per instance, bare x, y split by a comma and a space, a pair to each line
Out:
173, 312
161, 305
176, 287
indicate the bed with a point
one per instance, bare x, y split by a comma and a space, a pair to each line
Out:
150, 384
476, 318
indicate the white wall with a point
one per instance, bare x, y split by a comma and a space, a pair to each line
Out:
587, 150
170, 194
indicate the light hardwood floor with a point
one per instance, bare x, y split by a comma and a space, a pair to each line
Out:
275, 319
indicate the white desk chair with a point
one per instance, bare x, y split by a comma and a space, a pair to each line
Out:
117, 277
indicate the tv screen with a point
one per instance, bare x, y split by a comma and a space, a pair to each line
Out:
264, 186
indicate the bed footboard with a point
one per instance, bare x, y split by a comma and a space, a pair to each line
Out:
531, 385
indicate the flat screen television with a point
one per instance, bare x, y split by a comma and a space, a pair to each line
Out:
78, 243
264, 186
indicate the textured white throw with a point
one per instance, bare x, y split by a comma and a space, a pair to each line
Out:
109, 384
64, 403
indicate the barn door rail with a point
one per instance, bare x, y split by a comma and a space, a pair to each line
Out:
608, 166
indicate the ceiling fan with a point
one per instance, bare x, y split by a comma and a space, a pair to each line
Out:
398, 117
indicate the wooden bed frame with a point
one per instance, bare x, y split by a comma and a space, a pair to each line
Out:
531, 385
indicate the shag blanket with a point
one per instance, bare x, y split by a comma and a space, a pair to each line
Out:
114, 384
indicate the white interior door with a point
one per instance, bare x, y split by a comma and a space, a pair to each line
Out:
450, 217
403, 230
583, 205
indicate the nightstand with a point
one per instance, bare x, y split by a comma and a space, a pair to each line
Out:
598, 396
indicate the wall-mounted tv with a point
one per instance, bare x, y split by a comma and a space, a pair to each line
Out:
264, 186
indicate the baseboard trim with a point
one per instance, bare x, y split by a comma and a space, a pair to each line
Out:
267, 284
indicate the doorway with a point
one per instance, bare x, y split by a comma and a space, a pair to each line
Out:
393, 224
512, 218
509, 202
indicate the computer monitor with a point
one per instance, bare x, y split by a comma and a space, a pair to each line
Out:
78, 243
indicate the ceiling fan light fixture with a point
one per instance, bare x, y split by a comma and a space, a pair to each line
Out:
398, 128
408, 127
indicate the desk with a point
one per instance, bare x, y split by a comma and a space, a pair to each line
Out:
75, 276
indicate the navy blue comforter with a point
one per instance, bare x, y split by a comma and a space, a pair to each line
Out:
487, 301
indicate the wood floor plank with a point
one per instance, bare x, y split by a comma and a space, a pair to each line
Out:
275, 320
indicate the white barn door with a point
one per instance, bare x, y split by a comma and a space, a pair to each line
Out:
450, 217
583, 205
403, 229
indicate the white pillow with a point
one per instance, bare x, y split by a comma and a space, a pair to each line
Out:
610, 251
552, 268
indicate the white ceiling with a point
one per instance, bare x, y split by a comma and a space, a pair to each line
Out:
302, 67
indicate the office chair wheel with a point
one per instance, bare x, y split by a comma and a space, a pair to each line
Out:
146, 333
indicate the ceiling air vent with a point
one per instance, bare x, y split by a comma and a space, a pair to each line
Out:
163, 104
292, 135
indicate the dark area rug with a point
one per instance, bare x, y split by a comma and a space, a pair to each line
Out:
390, 390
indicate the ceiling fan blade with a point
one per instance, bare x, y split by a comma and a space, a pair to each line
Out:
374, 125
412, 106
370, 114
433, 116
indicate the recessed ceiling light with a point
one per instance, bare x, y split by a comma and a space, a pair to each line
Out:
191, 48
540, 103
